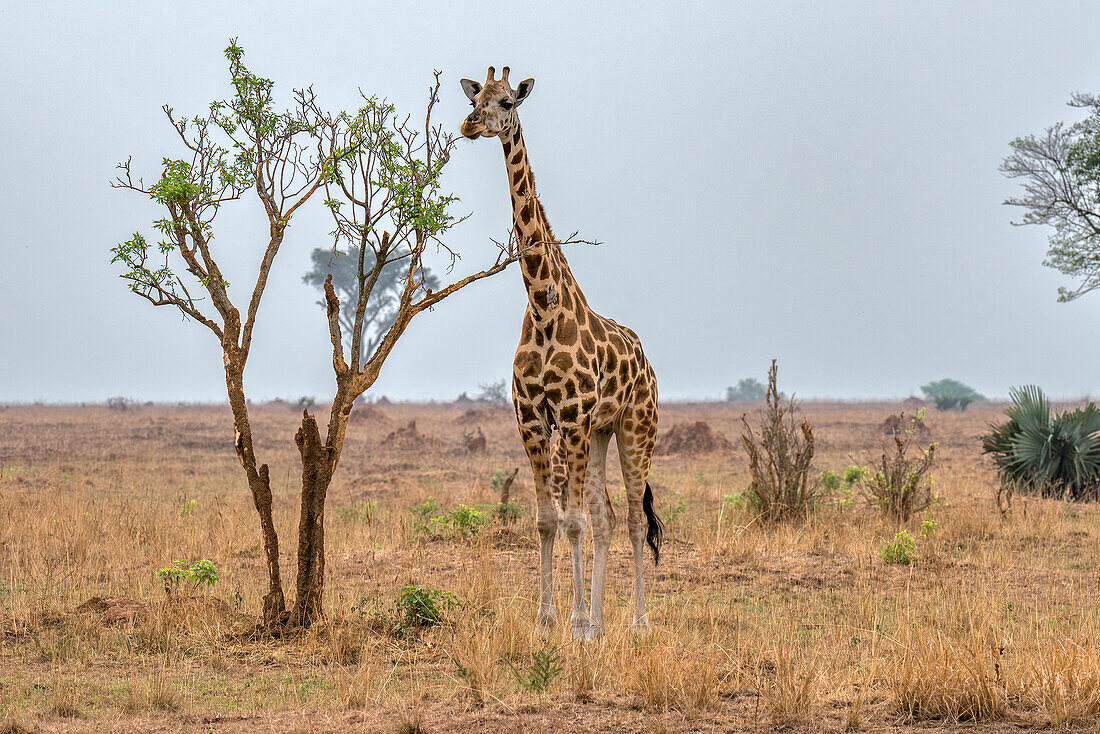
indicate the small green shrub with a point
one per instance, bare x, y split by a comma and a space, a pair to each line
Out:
928, 527
462, 522
419, 606
674, 506
203, 572
200, 573
509, 511
188, 508
736, 500
900, 550
839, 486
545, 667
426, 510
853, 474
497, 482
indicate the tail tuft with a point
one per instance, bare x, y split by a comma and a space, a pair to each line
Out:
655, 531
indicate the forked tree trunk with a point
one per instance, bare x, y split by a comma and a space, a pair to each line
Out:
274, 602
259, 484
317, 468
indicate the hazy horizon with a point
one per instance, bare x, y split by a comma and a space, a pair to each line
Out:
815, 184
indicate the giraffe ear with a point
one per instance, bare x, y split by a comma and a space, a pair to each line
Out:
471, 88
523, 90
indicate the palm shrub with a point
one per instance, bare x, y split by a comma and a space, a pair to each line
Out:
1046, 453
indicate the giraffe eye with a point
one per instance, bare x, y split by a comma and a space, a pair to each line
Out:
506, 105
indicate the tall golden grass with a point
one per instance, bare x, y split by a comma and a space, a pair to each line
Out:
754, 625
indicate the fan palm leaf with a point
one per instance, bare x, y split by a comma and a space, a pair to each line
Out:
1039, 451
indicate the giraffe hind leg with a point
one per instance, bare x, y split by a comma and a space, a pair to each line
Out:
635, 452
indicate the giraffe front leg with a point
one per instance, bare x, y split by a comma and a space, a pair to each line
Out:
599, 512
575, 442
536, 445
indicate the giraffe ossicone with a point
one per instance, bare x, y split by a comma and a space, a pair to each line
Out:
578, 373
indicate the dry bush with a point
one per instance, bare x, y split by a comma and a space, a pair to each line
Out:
853, 716
780, 483
900, 485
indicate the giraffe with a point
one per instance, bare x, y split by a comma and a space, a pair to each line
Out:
577, 372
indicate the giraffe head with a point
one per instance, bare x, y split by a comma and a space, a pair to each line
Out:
495, 104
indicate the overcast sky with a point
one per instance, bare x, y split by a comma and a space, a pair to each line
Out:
812, 182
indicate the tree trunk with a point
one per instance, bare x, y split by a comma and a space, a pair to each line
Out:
274, 603
316, 475
259, 483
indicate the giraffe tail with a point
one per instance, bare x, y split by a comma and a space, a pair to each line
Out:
655, 529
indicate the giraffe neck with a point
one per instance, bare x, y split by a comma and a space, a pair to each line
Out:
546, 275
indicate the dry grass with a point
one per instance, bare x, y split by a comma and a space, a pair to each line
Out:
755, 626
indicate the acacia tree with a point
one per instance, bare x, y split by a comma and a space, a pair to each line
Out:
381, 177
1060, 173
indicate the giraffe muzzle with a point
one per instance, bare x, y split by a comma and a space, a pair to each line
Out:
472, 127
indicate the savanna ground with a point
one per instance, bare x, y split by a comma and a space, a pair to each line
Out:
993, 627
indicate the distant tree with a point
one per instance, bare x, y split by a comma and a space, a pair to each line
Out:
380, 174
494, 393
385, 301
1060, 173
950, 394
749, 389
